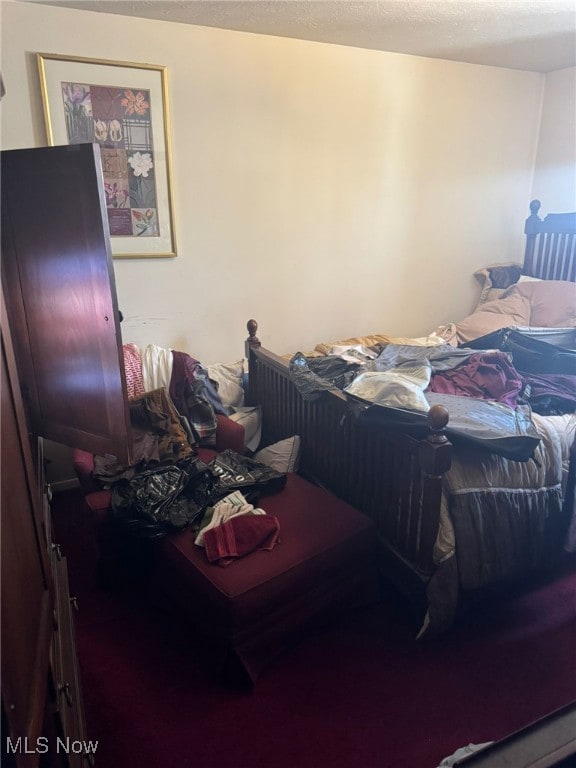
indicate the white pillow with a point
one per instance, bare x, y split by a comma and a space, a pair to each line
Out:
228, 377
282, 456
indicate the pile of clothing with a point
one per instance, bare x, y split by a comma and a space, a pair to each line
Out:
193, 393
489, 390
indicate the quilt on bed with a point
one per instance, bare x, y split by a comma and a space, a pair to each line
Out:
501, 518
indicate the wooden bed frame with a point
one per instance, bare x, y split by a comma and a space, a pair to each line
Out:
394, 478
550, 252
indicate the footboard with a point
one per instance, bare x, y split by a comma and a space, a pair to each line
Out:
393, 478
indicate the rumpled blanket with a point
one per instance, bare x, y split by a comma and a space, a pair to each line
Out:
499, 517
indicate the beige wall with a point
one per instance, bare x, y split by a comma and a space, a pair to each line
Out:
555, 169
323, 190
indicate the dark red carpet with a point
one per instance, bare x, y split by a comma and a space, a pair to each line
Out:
359, 694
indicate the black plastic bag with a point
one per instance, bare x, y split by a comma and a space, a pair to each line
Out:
234, 472
163, 499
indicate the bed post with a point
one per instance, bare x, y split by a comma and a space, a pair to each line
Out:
435, 459
436, 450
532, 229
252, 342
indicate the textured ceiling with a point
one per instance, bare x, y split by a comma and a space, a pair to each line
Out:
537, 35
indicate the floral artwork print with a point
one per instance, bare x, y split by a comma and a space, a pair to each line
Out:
118, 119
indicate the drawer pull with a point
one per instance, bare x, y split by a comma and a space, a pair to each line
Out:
74, 603
65, 689
57, 549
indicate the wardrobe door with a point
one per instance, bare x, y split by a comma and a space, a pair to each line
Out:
26, 584
60, 290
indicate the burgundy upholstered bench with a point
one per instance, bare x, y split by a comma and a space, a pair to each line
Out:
261, 603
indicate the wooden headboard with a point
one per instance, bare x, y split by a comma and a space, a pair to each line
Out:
550, 245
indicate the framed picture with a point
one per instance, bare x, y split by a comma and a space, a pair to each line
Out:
123, 107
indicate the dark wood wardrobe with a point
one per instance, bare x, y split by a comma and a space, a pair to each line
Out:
62, 379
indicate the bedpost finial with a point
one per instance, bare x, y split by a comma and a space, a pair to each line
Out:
438, 418
252, 340
436, 450
535, 207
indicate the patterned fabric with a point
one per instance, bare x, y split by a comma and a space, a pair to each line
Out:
133, 370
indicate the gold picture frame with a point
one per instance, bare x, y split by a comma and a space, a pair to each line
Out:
123, 107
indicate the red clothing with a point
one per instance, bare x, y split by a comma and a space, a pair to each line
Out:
486, 375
